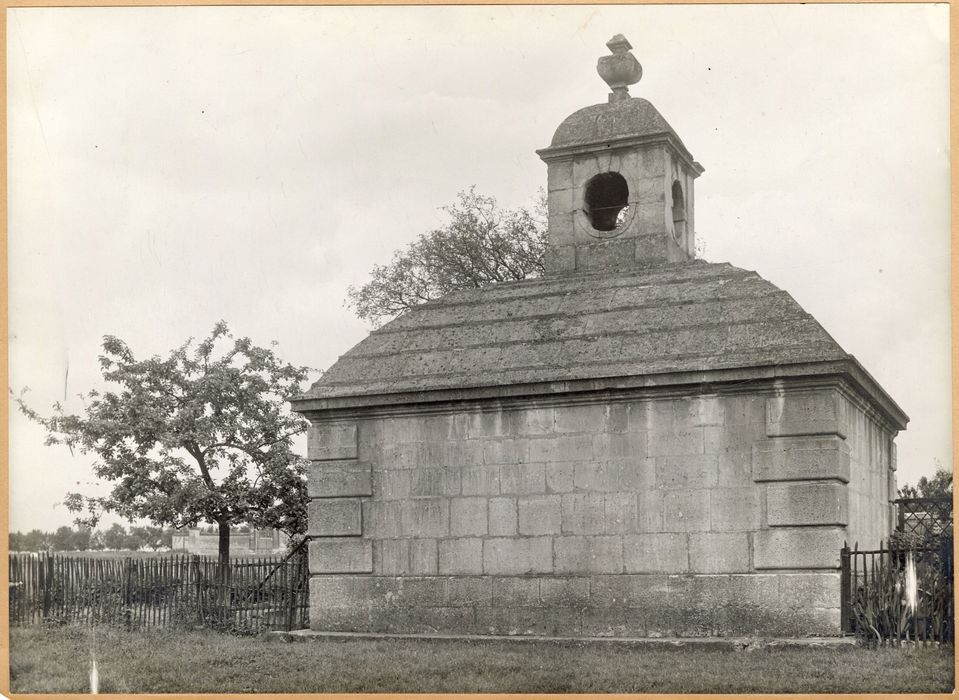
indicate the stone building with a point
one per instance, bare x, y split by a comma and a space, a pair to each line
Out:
637, 443
243, 543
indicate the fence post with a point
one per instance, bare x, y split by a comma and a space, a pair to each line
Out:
844, 586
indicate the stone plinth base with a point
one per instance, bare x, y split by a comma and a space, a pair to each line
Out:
779, 605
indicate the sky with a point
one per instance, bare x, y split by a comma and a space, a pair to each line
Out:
171, 167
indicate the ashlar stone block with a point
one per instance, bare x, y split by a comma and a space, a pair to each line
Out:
338, 478
540, 515
735, 509
687, 471
331, 441
468, 516
332, 517
512, 592
719, 552
600, 554
801, 458
523, 478
424, 556
656, 553
583, 514
564, 592
470, 591
502, 517
391, 557
463, 555
686, 510
817, 503
425, 517
515, 556
797, 548
806, 413
340, 555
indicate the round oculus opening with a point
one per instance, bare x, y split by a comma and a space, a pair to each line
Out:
606, 201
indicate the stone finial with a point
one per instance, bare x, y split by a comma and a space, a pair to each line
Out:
619, 70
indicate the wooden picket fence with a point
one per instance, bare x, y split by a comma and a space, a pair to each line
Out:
249, 595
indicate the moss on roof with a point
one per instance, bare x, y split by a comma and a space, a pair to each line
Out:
693, 316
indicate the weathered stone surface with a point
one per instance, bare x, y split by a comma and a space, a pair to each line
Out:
525, 478
560, 477
330, 517
589, 418
806, 413
472, 591
469, 516
409, 353
463, 555
528, 621
688, 441
583, 514
817, 503
540, 515
564, 592
718, 552
800, 458
502, 517
803, 591
391, 557
735, 509
335, 479
797, 548
686, 510
511, 556
435, 481
655, 553
588, 554
515, 592
621, 514
331, 441
480, 480
336, 555
423, 556
425, 517
687, 471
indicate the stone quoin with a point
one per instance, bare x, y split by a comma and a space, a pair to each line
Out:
638, 443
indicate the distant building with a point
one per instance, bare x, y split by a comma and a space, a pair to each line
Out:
242, 544
638, 443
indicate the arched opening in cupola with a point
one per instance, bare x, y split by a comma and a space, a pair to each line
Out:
606, 201
679, 211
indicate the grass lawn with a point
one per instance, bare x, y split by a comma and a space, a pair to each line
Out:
57, 660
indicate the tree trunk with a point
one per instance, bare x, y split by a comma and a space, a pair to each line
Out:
224, 541
223, 550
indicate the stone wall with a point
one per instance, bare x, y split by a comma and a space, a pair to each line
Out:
654, 515
261, 542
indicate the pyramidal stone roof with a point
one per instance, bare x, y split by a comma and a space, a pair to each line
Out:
693, 316
611, 122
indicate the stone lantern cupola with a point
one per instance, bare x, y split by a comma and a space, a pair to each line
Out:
620, 181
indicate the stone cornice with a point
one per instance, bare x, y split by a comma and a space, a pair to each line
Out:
847, 375
562, 152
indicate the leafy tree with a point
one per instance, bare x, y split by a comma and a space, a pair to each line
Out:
482, 244
62, 539
36, 541
152, 537
116, 537
203, 435
939, 486
82, 538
